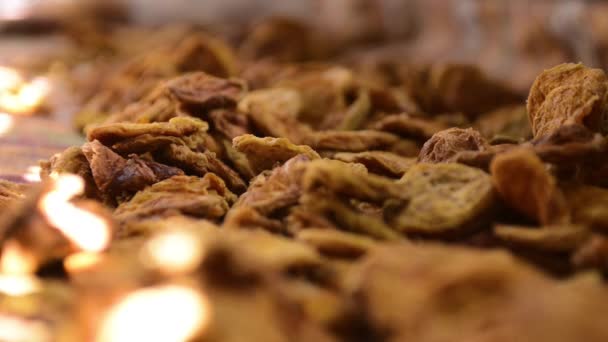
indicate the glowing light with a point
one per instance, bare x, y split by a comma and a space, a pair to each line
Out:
160, 314
25, 98
85, 229
81, 261
16, 260
19, 329
176, 251
6, 123
18, 285
32, 174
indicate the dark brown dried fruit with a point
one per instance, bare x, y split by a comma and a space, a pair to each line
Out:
266, 153
442, 199
205, 91
569, 94
72, 160
229, 123
507, 122
445, 146
588, 206
525, 185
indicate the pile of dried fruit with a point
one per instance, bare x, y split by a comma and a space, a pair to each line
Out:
384, 202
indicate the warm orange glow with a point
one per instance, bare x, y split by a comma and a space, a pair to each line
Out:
6, 123
86, 230
173, 252
81, 261
32, 174
18, 285
20, 329
16, 259
168, 313
17, 95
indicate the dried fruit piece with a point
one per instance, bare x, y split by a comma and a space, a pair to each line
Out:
336, 243
244, 217
229, 123
205, 197
408, 126
205, 91
177, 127
525, 185
568, 94
276, 190
274, 112
200, 163
563, 238
72, 160
351, 141
506, 122
588, 205
117, 176
442, 199
266, 153
340, 178
379, 162
445, 146
10, 193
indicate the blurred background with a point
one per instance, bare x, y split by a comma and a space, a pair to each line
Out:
57, 55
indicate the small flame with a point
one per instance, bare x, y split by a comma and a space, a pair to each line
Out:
6, 123
173, 252
32, 174
18, 285
165, 313
18, 96
85, 229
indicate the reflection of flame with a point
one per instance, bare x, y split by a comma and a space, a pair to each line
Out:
85, 229
20, 329
173, 252
32, 174
16, 266
164, 313
6, 123
17, 96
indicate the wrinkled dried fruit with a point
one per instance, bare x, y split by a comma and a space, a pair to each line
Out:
266, 153
408, 126
563, 238
508, 122
444, 146
569, 94
379, 162
351, 141
336, 243
527, 186
442, 199
205, 91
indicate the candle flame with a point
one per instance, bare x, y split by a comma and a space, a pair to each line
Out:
81, 261
173, 252
86, 230
167, 313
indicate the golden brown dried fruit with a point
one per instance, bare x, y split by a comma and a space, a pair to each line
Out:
336, 243
379, 162
201, 163
228, 123
408, 126
562, 238
10, 193
266, 153
442, 199
445, 146
438, 293
177, 127
205, 197
351, 141
588, 205
205, 91
569, 94
244, 217
525, 185
505, 123
72, 160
